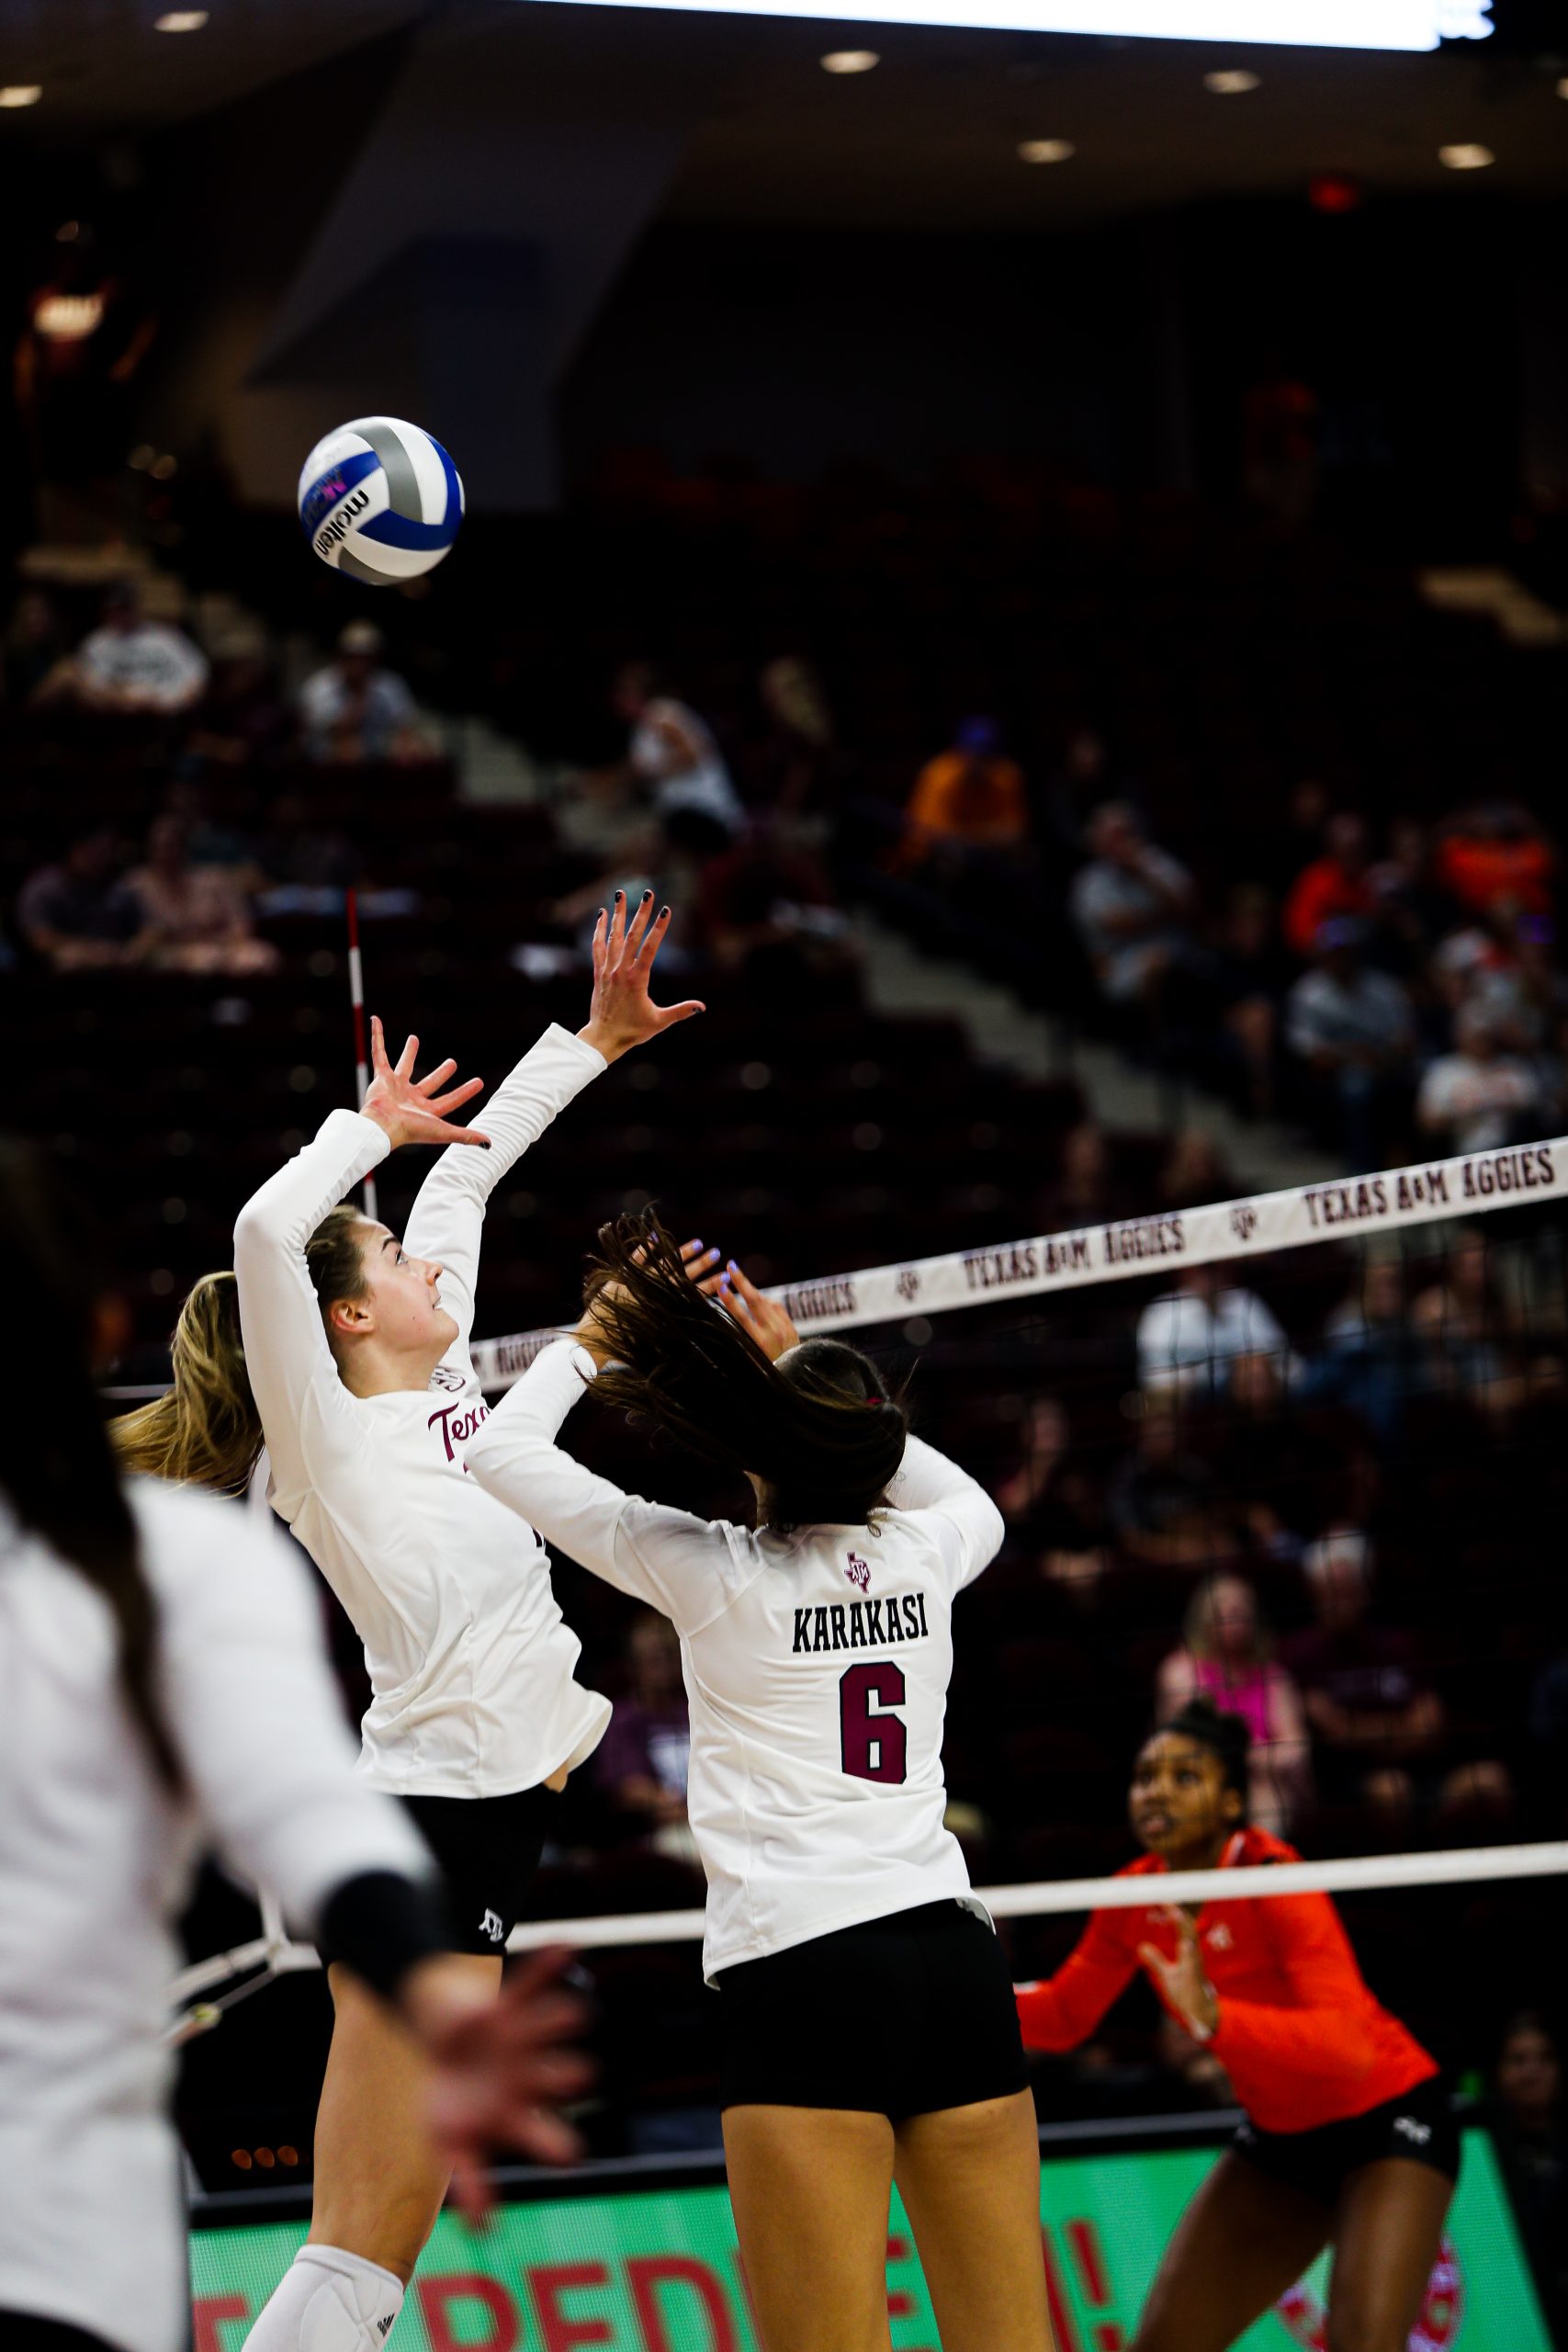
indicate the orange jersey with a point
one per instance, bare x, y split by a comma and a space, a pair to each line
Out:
1300, 2035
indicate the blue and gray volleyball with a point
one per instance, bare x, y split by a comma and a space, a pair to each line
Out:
380, 500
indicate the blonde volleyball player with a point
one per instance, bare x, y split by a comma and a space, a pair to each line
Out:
151, 1641
867, 2022
356, 1355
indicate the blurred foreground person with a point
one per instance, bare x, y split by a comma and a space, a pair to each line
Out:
161, 1687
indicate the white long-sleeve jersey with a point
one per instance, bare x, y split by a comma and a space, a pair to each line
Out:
817, 1668
95, 1863
471, 1666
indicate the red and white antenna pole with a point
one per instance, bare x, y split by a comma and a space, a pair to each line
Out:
361, 1050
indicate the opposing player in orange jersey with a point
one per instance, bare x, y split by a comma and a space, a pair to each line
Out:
1349, 2135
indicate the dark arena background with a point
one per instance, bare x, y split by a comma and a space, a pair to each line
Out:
1096, 501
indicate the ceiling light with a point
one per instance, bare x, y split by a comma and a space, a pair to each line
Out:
850, 60
1231, 83
1045, 150
21, 94
181, 21
1466, 157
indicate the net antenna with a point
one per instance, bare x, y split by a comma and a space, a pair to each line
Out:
361, 1053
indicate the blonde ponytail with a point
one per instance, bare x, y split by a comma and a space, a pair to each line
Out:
205, 1431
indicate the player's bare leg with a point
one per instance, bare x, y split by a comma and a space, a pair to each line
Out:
378, 2182
1241, 2242
970, 2180
810, 2187
1385, 2241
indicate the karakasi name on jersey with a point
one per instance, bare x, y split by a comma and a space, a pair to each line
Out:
866, 1624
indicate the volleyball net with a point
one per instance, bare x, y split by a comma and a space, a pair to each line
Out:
1304, 1453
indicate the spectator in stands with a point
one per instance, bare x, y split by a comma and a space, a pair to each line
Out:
1352, 1029
34, 648
1413, 908
1080, 785
1132, 906
194, 918
1369, 1359
969, 799
797, 761
643, 1757
78, 912
1477, 1097
1267, 1460
355, 711
1192, 1173
1189, 1340
1049, 1499
1226, 1655
300, 867
1526, 993
769, 909
1464, 1324
1494, 856
1251, 975
131, 665
1161, 1498
1377, 1723
1337, 884
671, 753
1532, 2141
1086, 1190
244, 717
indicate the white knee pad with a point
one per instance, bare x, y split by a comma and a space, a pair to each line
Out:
328, 2302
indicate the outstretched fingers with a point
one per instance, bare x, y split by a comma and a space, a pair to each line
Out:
409, 1056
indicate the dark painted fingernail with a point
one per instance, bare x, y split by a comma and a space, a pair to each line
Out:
662, 912
601, 914
646, 896
619, 896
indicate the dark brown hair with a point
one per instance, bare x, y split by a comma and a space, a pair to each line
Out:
57, 1467
205, 1429
816, 1428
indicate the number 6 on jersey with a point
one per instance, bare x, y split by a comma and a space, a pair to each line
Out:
872, 1743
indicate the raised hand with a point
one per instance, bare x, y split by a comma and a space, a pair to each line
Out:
623, 1014
500, 2066
1182, 1980
766, 1320
415, 1110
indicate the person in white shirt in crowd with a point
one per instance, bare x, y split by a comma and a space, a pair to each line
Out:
1478, 1097
155, 1644
349, 1357
1354, 1029
673, 753
864, 2009
130, 664
354, 710
1189, 1340
1132, 905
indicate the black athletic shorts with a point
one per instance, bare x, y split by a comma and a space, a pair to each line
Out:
898, 2017
1418, 2126
487, 1849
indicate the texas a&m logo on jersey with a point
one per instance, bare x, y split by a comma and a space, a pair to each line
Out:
859, 1572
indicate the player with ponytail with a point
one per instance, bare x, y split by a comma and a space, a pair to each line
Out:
867, 2019
1349, 2136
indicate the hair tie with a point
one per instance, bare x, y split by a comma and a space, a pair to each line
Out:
874, 1400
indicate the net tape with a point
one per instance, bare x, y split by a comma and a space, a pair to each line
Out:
1344, 1209
1547, 1858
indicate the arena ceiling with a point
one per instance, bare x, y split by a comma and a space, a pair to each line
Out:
930, 136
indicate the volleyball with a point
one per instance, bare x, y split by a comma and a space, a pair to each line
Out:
380, 500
